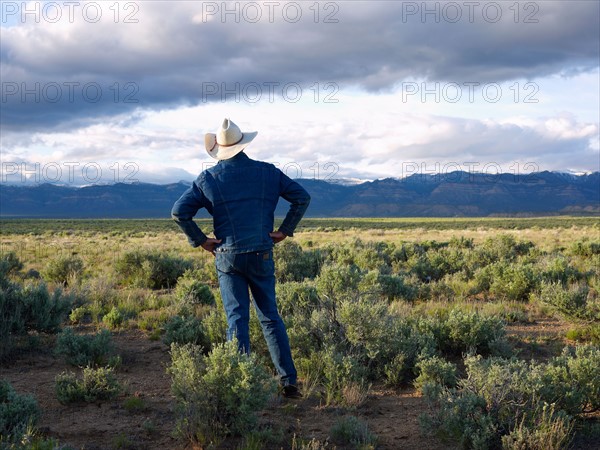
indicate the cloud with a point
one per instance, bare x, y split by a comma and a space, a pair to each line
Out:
65, 75
348, 144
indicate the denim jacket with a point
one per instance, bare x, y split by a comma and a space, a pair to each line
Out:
241, 194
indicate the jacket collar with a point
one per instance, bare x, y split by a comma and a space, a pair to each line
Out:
240, 157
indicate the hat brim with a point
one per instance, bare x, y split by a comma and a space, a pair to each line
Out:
221, 152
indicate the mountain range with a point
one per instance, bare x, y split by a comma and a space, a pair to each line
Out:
455, 194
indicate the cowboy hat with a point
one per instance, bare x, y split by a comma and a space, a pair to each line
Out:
228, 141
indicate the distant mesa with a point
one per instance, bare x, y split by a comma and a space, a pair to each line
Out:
455, 194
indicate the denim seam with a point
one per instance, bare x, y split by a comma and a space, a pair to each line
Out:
221, 198
262, 199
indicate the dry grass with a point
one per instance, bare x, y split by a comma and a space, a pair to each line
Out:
546, 239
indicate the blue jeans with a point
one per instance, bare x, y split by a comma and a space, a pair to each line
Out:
239, 272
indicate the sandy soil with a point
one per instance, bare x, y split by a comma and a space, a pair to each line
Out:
104, 425
391, 414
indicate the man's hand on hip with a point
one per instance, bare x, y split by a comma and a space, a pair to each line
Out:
277, 236
210, 244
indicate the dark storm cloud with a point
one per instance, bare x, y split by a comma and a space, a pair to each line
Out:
66, 75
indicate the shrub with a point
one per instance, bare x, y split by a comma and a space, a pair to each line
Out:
206, 272
516, 402
134, 404
10, 264
571, 380
41, 310
100, 292
435, 370
153, 321
217, 394
352, 430
461, 417
472, 331
387, 345
507, 281
313, 444
549, 431
365, 255
467, 332
83, 350
215, 325
17, 413
11, 315
585, 248
394, 287
294, 264
63, 269
503, 247
376, 343
558, 270
29, 308
569, 301
390, 287
191, 291
296, 297
461, 242
68, 388
97, 384
338, 281
151, 269
396, 370
435, 264
186, 330
585, 333
509, 312
505, 385
258, 343
365, 325
114, 319
79, 315
338, 372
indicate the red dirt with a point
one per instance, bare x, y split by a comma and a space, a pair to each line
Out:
391, 415
103, 425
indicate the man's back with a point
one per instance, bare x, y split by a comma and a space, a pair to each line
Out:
242, 194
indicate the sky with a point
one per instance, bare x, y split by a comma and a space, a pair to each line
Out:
101, 92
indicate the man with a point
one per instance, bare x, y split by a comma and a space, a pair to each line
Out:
241, 194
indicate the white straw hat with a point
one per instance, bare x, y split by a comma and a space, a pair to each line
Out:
228, 141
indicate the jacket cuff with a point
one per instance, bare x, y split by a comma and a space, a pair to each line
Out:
286, 231
198, 242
